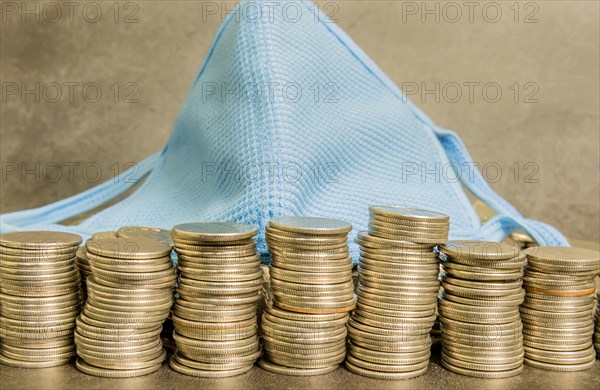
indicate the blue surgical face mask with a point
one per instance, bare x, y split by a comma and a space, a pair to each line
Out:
290, 117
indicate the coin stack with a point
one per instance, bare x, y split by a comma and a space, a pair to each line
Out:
216, 330
130, 293
479, 308
557, 313
39, 298
597, 332
304, 328
397, 293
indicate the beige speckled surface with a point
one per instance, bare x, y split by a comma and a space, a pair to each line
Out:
162, 52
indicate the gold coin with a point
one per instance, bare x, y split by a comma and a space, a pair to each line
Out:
213, 317
114, 373
508, 302
219, 346
383, 357
305, 363
213, 231
207, 366
479, 250
325, 289
192, 292
183, 369
299, 339
283, 370
374, 273
128, 248
408, 225
222, 276
215, 254
388, 367
408, 297
482, 353
415, 300
482, 374
287, 315
295, 255
422, 239
483, 367
208, 357
409, 214
153, 233
416, 310
304, 278
478, 310
157, 284
559, 367
310, 225
384, 375
564, 255
289, 246
317, 308
43, 240
482, 359
29, 364
220, 300
480, 273
37, 252
195, 261
367, 240
500, 285
315, 268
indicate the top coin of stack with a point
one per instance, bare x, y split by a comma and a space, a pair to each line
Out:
557, 313
523, 239
152, 233
397, 293
479, 308
39, 298
311, 282
129, 296
216, 330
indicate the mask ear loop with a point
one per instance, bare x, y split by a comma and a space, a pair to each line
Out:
508, 219
49, 215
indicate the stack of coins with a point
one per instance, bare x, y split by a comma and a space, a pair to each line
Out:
40, 298
479, 308
597, 332
130, 293
304, 328
397, 293
216, 330
557, 313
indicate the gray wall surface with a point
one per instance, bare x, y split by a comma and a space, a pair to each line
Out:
542, 56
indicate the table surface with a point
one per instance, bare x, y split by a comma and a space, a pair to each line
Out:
68, 377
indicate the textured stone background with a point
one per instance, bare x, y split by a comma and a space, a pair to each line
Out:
557, 57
